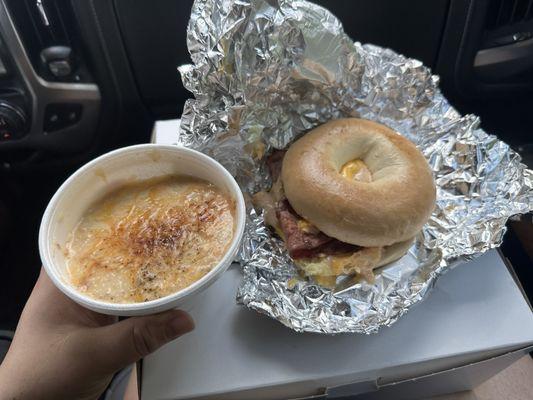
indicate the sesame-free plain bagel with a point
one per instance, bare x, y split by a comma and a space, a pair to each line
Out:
390, 206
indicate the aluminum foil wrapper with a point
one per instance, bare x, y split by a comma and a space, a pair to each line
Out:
264, 73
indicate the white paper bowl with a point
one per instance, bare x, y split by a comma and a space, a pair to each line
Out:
107, 172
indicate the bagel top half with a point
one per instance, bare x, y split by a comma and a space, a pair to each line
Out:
390, 207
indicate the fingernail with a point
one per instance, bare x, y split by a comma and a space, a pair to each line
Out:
181, 324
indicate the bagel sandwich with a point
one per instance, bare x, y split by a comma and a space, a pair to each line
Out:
347, 197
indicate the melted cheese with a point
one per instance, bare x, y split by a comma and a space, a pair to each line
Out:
307, 226
150, 239
356, 170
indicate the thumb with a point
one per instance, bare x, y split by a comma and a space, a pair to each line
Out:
128, 341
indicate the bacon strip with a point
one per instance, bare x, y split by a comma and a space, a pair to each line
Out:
301, 244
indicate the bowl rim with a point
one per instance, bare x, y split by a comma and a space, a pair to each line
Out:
45, 242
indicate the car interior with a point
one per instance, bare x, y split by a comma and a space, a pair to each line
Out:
81, 77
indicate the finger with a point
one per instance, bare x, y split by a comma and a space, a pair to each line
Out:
45, 289
129, 340
131, 392
51, 307
43, 301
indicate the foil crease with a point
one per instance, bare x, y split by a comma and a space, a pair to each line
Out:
265, 72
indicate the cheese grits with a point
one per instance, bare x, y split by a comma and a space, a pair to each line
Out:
150, 239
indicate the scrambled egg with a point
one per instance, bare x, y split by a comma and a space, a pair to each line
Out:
325, 269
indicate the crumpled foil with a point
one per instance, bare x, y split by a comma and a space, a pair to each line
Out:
265, 72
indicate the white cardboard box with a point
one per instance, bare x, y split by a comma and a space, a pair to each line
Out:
475, 322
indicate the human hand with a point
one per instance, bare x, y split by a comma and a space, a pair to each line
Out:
64, 351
